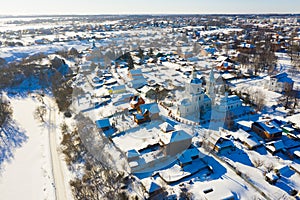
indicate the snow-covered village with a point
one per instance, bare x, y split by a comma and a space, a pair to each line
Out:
150, 107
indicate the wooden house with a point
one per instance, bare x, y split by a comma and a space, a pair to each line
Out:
136, 101
135, 73
246, 139
219, 143
152, 108
266, 130
140, 118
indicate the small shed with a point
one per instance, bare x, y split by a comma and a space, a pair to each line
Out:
103, 124
132, 155
275, 146
271, 178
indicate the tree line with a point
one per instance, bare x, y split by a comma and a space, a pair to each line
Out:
53, 77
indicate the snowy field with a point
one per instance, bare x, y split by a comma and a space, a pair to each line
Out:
28, 175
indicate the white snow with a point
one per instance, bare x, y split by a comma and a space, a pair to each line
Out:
28, 175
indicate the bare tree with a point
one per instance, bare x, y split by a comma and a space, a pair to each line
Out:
39, 113
264, 56
260, 100
287, 99
62, 91
258, 162
269, 167
293, 48
5, 111
243, 59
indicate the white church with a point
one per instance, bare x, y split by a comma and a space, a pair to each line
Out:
196, 99
197, 102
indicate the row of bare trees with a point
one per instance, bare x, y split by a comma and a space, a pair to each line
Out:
96, 180
262, 58
289, 99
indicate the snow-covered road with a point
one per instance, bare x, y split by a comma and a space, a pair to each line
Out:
60, 189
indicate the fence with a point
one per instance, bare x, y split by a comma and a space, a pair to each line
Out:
177, 118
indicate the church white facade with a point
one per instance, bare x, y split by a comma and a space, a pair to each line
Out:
197, 102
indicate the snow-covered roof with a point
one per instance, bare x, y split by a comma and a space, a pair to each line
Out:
268, 126
245, 125
231, 99
187, 155
227, 76
118, 87
222, 58
211, 50
295, 119
216, 139
145, 89
132, 153
272, 176
176, 173
219, 195
283, 169
175, 136
246, 138
297, 153
283, 77
166, 127
152, 107
135, 71
285, 80
103, 123
139, 116
137, 83
275, 145
150, 185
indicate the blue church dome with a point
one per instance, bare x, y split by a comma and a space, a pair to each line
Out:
196, 81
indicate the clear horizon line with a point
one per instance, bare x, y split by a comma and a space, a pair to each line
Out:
149, 14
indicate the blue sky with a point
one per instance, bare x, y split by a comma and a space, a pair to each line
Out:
25, 7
